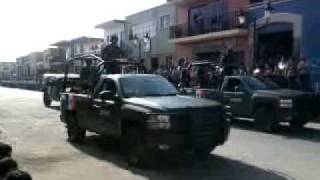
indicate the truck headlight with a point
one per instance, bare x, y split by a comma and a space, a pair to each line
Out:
286, 103
158, 122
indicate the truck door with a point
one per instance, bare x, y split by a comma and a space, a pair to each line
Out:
105, 113
236, 97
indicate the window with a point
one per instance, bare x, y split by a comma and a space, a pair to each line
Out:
108, 85
164, 22
140, 30
232, 84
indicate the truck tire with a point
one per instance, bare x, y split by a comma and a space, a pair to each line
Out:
203, 154
136, 152
297, 125
46, 99
75, 133
265, 120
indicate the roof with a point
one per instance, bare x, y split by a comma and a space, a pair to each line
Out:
110, 24
60, 76
83, 38
60, 43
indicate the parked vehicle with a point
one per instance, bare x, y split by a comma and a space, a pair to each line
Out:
248, 98
147, 115
53, 86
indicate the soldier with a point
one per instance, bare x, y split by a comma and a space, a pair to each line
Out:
111, 53
86, 75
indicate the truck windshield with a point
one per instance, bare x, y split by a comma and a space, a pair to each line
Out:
257, 84
146, 86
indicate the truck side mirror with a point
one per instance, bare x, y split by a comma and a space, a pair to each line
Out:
106, 95
237, 89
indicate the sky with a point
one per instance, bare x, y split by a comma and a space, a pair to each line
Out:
32, 25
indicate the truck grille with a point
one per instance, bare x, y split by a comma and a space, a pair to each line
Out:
204, 127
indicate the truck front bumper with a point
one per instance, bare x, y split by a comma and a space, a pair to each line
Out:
170, 141
289, 115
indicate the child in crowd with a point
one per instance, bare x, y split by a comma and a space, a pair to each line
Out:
18, 175
7, 165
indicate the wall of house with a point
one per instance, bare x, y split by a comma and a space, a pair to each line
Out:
160, 47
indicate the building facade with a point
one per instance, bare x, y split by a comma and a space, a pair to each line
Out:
148, 34
55, 58
79, 46
38, 65
207, 29
7, 70
114, 28
290, 31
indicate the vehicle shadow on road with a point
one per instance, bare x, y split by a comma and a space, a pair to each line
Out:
307, 133
184, 167
57, 108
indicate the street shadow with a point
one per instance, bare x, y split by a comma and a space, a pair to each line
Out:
180, 167
55, 107
307, 133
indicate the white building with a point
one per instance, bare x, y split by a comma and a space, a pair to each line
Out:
111, 28
7, 70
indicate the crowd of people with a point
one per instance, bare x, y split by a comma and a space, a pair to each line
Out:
8, 167
287, 73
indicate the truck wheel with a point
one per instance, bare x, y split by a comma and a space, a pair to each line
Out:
297, 125
46, 99
203, 154
135, 149
75, 133
265, 120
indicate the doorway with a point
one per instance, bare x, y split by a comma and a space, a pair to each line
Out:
275, 41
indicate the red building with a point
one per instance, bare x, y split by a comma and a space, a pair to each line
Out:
208, 28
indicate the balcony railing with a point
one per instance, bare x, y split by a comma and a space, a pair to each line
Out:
218, 23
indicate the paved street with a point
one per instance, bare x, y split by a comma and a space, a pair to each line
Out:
38, 139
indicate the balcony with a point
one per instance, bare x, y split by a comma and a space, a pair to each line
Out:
209, 28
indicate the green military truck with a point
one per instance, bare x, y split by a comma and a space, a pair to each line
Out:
53, 86
146, 114
248, 98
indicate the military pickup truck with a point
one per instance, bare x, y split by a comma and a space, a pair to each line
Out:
53, 86
248, 98
147, 115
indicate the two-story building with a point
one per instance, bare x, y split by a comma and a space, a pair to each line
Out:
148, 34
38, 65
207, 29
55, 57
114, 28
7, 70
79, 46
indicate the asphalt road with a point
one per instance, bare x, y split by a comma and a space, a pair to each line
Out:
38, 139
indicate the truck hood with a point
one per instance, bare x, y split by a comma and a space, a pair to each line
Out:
165, 103
280, 93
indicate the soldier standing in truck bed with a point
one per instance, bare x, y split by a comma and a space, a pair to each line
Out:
111, 53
